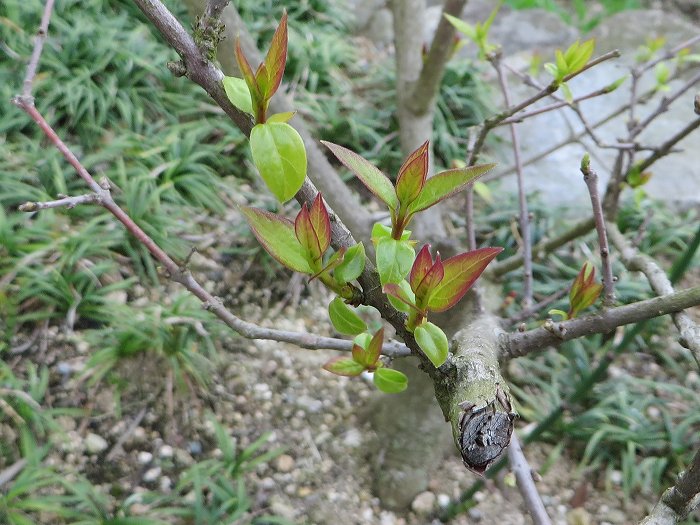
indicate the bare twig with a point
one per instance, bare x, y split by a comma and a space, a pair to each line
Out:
67, 202
10, 472
524, 217
525, 314
660, 283
590, 177
553, 334
494, 121
680, 500
667, 146
543, 248
526, 483
117, 448
39, 40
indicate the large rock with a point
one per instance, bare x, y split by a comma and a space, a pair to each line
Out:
676, 178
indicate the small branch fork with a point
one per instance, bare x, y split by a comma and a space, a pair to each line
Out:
101, 195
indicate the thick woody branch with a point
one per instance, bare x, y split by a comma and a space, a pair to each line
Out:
634, 261
526, 482
553, 334
680, 500
441, 48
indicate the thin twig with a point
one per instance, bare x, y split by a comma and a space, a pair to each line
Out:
543, 248
526, 483
117, 448
494, 121
590, 177
39, 40
67, 202
524, 217
634, 261
552, 334
525, 314
10, 472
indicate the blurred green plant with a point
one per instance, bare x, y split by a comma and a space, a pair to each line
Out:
584, 14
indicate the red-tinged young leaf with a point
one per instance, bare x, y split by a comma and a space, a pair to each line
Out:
584, 278
375, 180
584, 291
344, 366
276, 57
394, 290
446, 184
412, 175
321, 222
368, 357
461, 271
421, 266
276, 235
262, 78
433, 278
247, 73
306, 235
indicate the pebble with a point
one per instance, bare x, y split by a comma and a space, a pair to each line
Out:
387, 518
165, 484
309, 404
615, 477
95, 444
423, 503
166, 451
195, 448
353, 438
475, 514
144, 457
284, 463
151, 475
267, 483
443, 500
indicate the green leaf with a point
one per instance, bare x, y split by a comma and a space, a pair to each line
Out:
462, 26
390, 381
375, 180
433, 341
552, 70
280, 156
401, 296
394, 260
344, 318
562, 313
363, 340
446, 184
581, 56
352, 266
568, 95
249, 76
369, 356
380, 231
612, 87
281, 117
306, 234
276, 234
460, 272
344, 366
483, 191
238, 93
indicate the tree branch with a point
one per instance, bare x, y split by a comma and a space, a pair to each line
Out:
590, 177
553, 334
441, 48
39, 40
526, 483
660, 283
680, 500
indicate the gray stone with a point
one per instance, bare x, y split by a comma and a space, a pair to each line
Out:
556, 177
423, 503
284, 463
95, 444
151, 475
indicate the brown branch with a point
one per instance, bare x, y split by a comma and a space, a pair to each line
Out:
524, 215
39, 40
590, 177
104, 198
441, 48
667, 146
661, 285
680, 500
526, 484
553, 334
